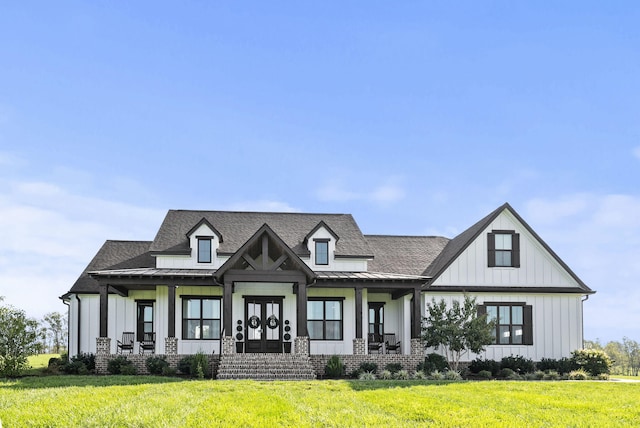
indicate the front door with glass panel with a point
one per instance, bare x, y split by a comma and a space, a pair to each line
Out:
263, 317
376, 322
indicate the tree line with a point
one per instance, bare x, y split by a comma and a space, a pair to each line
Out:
21, 336
625, 355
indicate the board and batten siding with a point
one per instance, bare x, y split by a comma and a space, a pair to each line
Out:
557, 324
538, 268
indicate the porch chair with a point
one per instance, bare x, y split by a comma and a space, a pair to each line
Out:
390, 343
373, 345
148, 343
126, 344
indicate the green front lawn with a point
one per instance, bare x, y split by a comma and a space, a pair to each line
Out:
157, 401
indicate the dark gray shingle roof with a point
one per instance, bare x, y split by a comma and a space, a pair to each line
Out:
237, 227
408, 255
114, 255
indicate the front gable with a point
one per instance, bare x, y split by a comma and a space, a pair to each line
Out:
267, 253
502, 251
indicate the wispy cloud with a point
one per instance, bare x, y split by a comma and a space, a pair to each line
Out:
11, 160
599, 237
337, 191
49, 235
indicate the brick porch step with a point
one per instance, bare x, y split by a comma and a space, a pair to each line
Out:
265, 367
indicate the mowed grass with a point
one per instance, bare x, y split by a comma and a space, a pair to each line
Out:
39, 362
147, 401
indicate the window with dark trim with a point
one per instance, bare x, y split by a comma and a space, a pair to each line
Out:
503, 248
204, 249
513, 322
144, 318
324, 318
200, 318
322, 252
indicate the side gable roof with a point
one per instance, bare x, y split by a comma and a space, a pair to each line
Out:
457, 245
238, 227
114, 255
408, 255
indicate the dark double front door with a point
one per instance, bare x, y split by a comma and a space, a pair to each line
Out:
263, 321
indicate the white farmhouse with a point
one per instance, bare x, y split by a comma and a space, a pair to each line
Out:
285, 291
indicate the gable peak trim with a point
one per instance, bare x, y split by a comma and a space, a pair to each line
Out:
204, 221
319, 226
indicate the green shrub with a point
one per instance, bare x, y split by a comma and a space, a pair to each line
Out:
452, 375
563, 365
386, 375
367, 376
54, 366
393, 367
479, 365
128, 369
436, 375
81, 364
401, 375
518, 364
120, 365
602, 376
334, 368
185, 363
369, 366
506, 373
419, 375
579, 374
156, 365
551, 375
169, 371
484, 374
366, 366
538, 375
55, 362
433, 362
593, 361
200, 365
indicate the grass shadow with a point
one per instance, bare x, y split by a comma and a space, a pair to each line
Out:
366, 385
63, 381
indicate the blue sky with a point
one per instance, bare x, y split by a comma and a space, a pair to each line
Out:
416, 117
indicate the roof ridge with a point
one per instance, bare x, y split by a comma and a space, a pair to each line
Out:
403, 236
129, 241
260, 212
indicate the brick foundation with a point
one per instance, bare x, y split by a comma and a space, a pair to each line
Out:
139, 362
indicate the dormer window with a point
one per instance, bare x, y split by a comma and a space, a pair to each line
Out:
322, 251
204, 249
